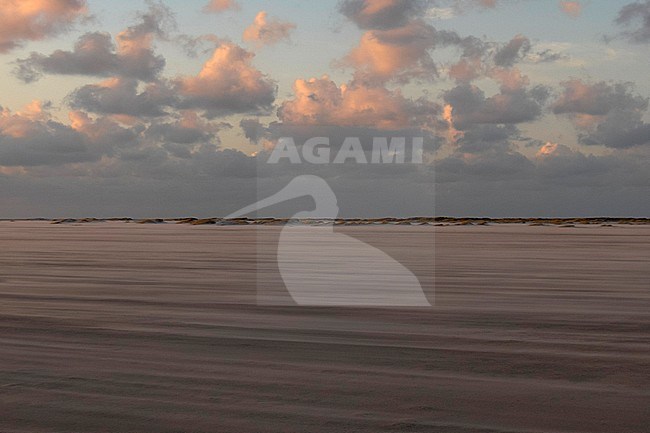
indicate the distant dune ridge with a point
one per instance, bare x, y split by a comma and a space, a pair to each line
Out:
440, 221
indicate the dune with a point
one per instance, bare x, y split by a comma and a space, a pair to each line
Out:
151, 221
533, 222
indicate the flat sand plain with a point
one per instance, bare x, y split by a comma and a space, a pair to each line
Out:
120, 327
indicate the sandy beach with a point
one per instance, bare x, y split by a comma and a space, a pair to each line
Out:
121, 327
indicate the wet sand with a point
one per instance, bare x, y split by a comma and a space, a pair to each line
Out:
121, 327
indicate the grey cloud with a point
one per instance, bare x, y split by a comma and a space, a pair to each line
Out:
227, 84
105, 134
598, 98
95, 54
547, 56
147, 180
568, 167
195, 45
488, 137
174, 133
144, 66
120, 96
471, 45
158, 19
253, 129
492, 165
514, 50
480, 58
200, 186
395, 13
620, 129
50, 143
637, 17
616, 113
471, 106
505, 183
193, 166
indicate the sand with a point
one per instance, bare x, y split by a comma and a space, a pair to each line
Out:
119, 327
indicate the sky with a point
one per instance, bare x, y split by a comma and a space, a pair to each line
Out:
172, 108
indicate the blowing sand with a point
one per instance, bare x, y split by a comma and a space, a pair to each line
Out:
118, 327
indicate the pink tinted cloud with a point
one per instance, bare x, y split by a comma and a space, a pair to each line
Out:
550, 150
319, 101
396, 53
31, 20
96, 54
510, 79
31, 137
571, 8
25, 121
217, 6
266, 31
227, 83
598, 98
466, 70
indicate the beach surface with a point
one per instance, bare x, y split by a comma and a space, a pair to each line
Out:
124, 327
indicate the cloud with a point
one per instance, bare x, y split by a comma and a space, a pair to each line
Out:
546, 56
597, 99
470, 106
31, 20
382, 14
253, 129
609, 113
553, 150
560, 182
571, 8
397, 44
560, 165
635, 13
514, 50
620, 129
120, 96
95, 53
487, 3
474, 59
480, 58
267, 32
492, 165
31, 138
481, 138
104, 132
510, 79
188, 129
218, 6
134, 45
227, 83
319, 101
400, 53
144, 179
466, 70
195, 45
440, 13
